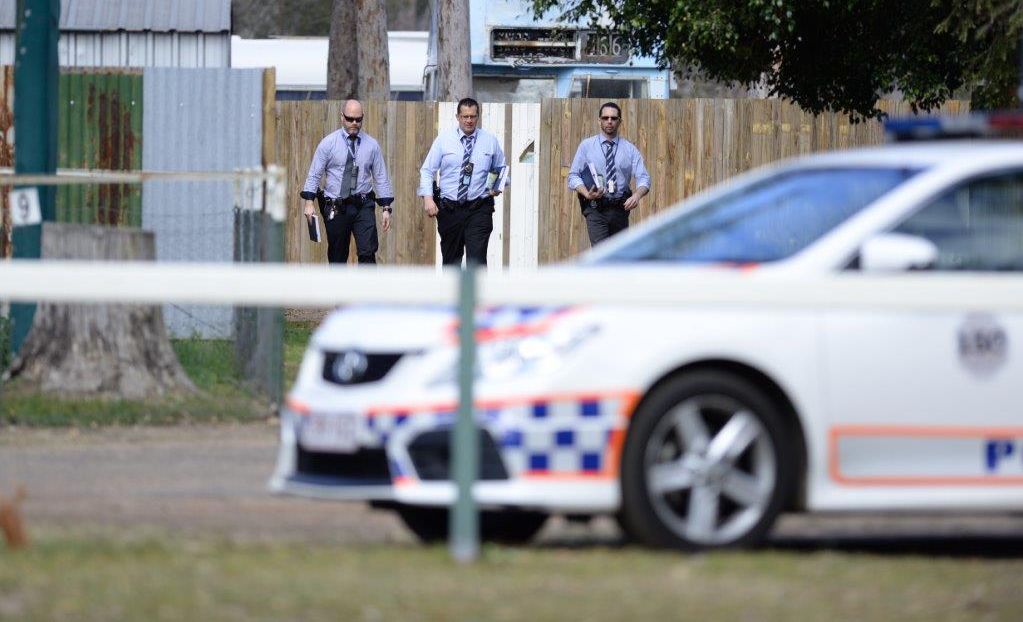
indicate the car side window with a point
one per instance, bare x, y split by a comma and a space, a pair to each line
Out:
977, 226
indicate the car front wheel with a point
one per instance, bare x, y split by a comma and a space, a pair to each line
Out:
705, 464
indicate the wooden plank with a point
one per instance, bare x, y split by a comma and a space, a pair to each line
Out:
507, 195
688, 145
269, 116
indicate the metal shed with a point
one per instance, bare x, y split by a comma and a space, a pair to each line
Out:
134, 33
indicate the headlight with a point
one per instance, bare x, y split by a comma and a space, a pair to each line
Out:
540, 353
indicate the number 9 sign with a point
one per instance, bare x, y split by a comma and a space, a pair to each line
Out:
24, 204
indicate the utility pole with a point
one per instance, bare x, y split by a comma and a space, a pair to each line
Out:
454, 67
35, 127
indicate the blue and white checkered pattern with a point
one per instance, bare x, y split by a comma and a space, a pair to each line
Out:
560, 437
507, 317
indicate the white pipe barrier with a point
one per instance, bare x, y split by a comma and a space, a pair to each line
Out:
291, 285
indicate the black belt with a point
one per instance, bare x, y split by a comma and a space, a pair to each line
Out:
612, 201
469, 204
352, 198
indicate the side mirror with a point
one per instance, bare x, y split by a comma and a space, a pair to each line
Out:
897, 252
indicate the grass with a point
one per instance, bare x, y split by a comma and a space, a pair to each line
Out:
153, 578
210, 364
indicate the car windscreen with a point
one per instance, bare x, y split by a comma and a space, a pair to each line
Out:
767, 220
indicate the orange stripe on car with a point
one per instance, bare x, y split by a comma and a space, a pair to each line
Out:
878, 431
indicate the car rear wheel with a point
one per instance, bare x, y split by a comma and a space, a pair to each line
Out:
705, 465
430, 524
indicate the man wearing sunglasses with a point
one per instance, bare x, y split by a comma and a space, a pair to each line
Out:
602, 170
354, 166
461, 201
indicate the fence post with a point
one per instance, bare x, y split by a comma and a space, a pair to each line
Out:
35, 124
465, 545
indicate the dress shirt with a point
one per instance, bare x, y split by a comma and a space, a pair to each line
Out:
628, 163
331, 156
446, 156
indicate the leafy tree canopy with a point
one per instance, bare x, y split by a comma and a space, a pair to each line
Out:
827, 54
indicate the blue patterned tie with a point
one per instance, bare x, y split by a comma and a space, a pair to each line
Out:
609, 161
463, 180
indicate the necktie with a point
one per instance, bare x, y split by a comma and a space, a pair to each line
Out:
463, 181
609, 164
350, 178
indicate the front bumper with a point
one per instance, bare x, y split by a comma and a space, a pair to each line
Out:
549, 453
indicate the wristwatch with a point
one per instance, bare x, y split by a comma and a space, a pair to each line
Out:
387, 209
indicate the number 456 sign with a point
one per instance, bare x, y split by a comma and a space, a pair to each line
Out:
24, 204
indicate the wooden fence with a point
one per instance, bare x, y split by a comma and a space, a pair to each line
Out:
688, 145
404, 130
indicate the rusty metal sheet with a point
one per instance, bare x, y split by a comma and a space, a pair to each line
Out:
100, 127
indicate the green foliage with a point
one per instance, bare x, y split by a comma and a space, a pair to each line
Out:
827, 54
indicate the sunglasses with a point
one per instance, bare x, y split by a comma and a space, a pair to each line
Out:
609, 118
351, 119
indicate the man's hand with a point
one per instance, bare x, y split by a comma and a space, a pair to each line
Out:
633, 202
430, 206
309, 210
494, 193
385, 220
591, 195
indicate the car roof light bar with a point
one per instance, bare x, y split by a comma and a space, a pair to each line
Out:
976, 125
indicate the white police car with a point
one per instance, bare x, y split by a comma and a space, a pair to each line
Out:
697, 426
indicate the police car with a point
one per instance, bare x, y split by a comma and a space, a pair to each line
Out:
697, 426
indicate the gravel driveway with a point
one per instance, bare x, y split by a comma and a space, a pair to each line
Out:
211, 480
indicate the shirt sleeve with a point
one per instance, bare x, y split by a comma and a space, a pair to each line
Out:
316, 169
578, 162
382, 183
639, 170
429, 169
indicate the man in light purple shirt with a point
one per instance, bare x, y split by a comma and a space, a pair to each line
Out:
467, 162
603, 167
354, 166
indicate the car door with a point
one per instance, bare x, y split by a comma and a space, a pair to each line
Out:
926, 408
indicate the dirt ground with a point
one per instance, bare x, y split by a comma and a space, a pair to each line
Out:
211, 480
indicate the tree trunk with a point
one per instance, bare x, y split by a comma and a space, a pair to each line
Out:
374, 66
343, 54
99, 350
454, 70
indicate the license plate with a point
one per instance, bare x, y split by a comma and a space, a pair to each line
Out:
331, 431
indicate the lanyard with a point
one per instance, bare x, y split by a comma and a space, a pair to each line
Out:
353, 146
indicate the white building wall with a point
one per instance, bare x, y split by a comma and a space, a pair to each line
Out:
134, 49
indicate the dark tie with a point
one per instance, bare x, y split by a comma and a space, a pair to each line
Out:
609, 161
463, 181
350, 178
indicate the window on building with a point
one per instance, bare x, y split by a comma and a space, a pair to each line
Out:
512, 89
608, 88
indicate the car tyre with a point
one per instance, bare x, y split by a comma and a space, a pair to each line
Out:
430, 524
706, 464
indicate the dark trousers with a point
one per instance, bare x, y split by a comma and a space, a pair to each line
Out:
604, 219
353, 217
465, 227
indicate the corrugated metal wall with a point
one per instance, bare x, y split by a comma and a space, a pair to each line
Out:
134, 49
198, 120
158, 15
100, 126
